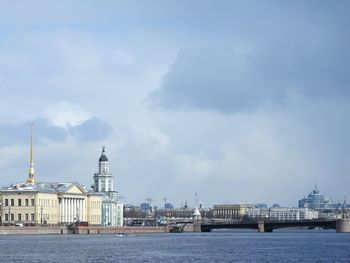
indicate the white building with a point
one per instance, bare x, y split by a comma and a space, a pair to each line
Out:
112, 209
282, 214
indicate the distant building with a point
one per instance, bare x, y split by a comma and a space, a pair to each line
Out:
146, 207
231, 211
112, 209
168, 206
315, 200
282, 214
185, 213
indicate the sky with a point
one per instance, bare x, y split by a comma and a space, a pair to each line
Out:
237, 101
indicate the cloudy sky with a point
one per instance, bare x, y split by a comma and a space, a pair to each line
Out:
240, 101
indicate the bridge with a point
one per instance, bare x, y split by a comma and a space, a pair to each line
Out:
269, 226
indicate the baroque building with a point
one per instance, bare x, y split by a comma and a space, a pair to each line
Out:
112, 209
49, 203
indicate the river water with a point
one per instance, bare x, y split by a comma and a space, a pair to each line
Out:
288, 246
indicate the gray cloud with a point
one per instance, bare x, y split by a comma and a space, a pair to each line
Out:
227, 80
90, 130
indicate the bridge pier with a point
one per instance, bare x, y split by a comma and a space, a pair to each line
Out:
261, 227
343, 226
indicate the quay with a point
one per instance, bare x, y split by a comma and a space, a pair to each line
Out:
340, 225
59, 230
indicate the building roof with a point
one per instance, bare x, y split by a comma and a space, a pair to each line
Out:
103, 157
46, 187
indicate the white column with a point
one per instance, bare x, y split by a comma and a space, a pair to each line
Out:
77, 211
75, 208
71, 210
62, 215
66, 210
63, 209
80, 209
60, 203
83, 210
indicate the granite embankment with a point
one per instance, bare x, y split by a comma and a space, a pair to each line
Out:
38, 230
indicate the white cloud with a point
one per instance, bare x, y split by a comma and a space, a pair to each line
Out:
66, 115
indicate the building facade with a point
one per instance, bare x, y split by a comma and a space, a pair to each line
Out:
282, 214
49, 204
315, 200
112, 209
231, 211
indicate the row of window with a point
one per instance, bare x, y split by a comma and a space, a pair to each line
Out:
95, 204
19, 217
30, 202
47, 203
95, 218
27, 202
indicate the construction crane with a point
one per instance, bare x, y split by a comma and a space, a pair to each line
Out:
149, 200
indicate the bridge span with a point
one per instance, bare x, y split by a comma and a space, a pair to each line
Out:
341, 225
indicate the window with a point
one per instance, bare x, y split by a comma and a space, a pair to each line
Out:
32, 202
19, 217
27, 217
12, 202
6, 202
32, 217
6, 217
27, 202
12, 217
19, 202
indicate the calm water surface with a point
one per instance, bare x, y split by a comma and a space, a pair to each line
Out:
289, 246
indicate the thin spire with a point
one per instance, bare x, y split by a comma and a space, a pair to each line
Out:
31, 143
31, 174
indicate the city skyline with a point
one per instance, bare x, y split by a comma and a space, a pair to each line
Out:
239, 102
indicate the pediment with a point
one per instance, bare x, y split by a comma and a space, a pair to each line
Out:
75, 189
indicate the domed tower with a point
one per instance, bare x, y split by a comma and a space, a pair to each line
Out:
103, 180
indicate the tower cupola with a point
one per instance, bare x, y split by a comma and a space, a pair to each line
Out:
103, 179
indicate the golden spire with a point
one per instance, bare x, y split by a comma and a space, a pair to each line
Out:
31, 177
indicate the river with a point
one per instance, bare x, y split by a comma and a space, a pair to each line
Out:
282, 246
